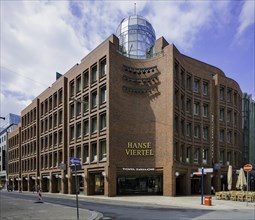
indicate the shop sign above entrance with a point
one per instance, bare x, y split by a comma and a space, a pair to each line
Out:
138, 169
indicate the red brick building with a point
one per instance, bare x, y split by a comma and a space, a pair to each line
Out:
140, 126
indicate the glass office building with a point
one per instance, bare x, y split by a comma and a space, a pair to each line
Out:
136, 36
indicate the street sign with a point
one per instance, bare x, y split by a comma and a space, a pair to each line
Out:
75, 160
247, 167
206, 170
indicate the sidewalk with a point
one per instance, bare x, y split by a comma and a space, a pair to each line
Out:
192, 202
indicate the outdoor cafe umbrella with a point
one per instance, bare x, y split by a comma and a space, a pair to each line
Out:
241, 181
229, 177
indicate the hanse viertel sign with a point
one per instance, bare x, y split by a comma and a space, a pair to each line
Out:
139, 149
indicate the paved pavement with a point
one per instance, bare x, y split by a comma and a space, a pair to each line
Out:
56, 211
193, 202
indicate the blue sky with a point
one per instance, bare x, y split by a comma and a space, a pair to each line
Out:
40, 38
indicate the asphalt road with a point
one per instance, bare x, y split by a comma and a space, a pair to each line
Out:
122, 211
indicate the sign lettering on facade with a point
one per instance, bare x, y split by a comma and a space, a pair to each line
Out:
138, 169
139, 149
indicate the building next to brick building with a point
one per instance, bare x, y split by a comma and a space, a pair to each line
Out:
141, 116
9, 123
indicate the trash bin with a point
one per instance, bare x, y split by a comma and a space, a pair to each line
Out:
208, 200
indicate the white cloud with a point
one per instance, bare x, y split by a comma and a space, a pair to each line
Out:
246, 17
39, 38
36, 41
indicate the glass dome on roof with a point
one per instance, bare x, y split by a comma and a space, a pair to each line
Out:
136, 37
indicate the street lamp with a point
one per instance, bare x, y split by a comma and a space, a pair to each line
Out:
2, 118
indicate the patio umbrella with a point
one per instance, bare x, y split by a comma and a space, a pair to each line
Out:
229, 177
241, 181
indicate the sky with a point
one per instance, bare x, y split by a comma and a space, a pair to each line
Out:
40, 38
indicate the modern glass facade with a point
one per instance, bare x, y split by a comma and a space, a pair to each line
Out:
136, 36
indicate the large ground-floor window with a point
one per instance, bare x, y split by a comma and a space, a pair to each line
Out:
140, 184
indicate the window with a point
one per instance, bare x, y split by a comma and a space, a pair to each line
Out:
60, 137
72, 111
235, 118
182, 127
94, 152
188, 154
222, 134
176, 98
71, 88
175, 149
78, 84
103, 154
196, 85
94, 125
229, 136
188, 105
78, 130
229, 116
85, 127
94, 99
78, 151
176, 123
85, 103
222, 114
229, 95
103, 94
71, 152
205, 156
181, 152
103, 68
85, 157
205, 110
188, 81
94, 74
196, 131
183, 77
85, 79
78, 107
55, 120
188, 130
60, 117
60, 96
222, 91
182, 102
55, 138
196, 108
205, 133
235, 138
196, 155
72, 133
205, 88
50, 122
55, 100
222, 156
103, 121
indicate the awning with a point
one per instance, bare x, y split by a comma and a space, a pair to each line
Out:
33, 177
48, 177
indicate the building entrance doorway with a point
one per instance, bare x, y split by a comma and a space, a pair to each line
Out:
96, 184
138, 184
